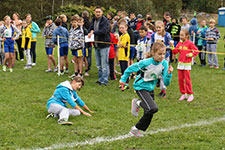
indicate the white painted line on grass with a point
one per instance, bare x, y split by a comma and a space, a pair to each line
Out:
121, 137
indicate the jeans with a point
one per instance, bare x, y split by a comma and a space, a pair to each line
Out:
102, 63
89, 57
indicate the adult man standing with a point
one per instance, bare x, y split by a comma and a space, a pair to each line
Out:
100, 27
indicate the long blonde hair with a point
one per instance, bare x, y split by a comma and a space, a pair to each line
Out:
162, 25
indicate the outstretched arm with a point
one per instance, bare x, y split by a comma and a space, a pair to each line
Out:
83, 112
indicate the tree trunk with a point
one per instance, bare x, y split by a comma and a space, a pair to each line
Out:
53, 4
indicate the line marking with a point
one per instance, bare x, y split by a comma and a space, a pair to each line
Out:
98, 140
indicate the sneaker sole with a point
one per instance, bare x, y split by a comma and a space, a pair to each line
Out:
66, 123
135, 134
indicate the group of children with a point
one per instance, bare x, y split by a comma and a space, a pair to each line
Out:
23, 33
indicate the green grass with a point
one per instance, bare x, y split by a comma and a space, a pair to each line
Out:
24, 94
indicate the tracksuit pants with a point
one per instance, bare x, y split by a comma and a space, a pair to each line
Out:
149, 106
184, 79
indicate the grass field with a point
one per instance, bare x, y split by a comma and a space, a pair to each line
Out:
24, 94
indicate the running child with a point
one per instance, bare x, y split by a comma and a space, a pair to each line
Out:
186, 50
124, 49
212, 36
76, 44
165, 37
143, 44
144, 84
63, 43
66, 93
7, 30
49, 45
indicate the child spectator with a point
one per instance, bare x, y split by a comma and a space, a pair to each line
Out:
64, 20
202, 42
167, 20
140, 22
66, 93
63, 43
143, 44
193, 30
124, 49
49, 45
165, 37
185, 24
114, 41
76, 44
174, 31
144, 85
186, 50
86, 46
133, 21
212, 36
150, 29
7, 31
1, 45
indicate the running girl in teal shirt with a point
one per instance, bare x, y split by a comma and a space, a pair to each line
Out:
151, 70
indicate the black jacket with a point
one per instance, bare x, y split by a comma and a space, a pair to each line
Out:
103, 33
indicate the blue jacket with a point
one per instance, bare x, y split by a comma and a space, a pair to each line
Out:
193, 27
157, 68
103, 33
62, 33
167, 38
35, 29
63, 94
202, 35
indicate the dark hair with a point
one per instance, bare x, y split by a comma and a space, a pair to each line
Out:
151, 26
111, 14
98, 7
143, 28
167, 13
58, 22
132, 13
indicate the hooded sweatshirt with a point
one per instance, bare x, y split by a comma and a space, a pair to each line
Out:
63, 94
193, 27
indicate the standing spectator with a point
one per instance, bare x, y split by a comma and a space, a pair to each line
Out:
64, 20
109, 16
185, 25
18, 24
193, 30
34, 28
133, 21
212, 36
8, 33
100, 27
140, 22
49, 45
85, 15
63, 43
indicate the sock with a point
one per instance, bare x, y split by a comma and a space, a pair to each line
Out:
134, 128
81, 74
86, 70
61, 71
76, 73
138, 103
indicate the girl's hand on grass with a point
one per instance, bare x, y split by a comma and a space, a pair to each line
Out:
87, 114
170, 69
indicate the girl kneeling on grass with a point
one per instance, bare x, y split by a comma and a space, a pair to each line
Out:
186, 50
66, 93
151, 69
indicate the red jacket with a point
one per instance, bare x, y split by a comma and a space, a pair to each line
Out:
114, 41
185, 48
139, 24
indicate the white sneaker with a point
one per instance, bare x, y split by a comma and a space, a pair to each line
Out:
34, 64
28, 67
86, 74
56, 69
10, 70
22, 60
4, 68
134, 131
48, 70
